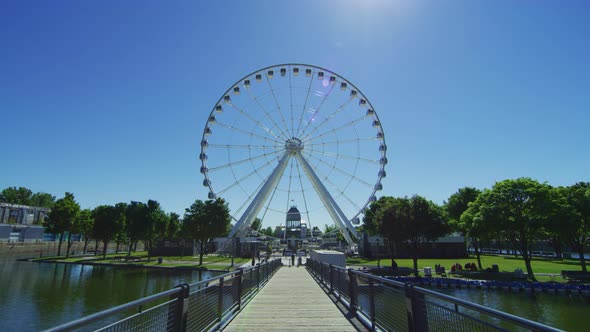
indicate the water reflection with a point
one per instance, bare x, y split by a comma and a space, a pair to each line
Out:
35, 296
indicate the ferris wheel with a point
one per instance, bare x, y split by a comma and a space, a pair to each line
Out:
294, 135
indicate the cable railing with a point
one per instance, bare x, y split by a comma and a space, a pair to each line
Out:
382, 304
206, 305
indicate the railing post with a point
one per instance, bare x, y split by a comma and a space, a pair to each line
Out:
331, 280
416, 310
372, 303
257, 277
239, 278
351, 290
181, 311
220, 300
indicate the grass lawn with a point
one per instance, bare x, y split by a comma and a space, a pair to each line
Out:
505, 264
211, 262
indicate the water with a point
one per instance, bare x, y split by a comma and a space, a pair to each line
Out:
35, 296
566, 312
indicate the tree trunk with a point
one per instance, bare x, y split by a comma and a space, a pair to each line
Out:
69, 245
476, 248
95, 247
86, 239
202, 251
117, 248
529, 268
149, 249
104, 249
582, 258
415, 258
61, 238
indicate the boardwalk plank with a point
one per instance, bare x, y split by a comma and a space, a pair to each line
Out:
291, 301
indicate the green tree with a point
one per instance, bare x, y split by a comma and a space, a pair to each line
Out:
61, 219
84, 224
204, 221
173, 225
457, 204
135, 214
518, 208
14, 195
578, 196
414, 221
561, 223
106, 225
426, 224
121, 235
42, 199
268, 231
155, 224
256, 224
379, 220
333, 229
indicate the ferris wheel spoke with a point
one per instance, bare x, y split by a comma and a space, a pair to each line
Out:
341, 171
242, 146
249, 196
328, 118
291, 102
258, 123
243, 161
343, 142
247, 133
303, 110
290, 180
279, 109
237, 181
272, 195
344, 126
339, 189
343, 156
303, 191
267, 114
317, 111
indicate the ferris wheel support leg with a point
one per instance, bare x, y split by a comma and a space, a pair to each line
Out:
252, 211
334, 210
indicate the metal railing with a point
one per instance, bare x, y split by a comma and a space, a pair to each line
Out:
387, 305
207, 305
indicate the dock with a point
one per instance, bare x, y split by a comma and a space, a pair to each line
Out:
291, 301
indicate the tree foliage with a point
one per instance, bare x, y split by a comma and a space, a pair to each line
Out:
413, 221
578, 196
204, 221
14, 195
466, 223
62, 218
518, 208
107, 223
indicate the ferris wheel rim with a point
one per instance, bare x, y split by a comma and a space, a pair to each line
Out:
352, 86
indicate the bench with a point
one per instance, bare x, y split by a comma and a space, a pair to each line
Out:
576, 276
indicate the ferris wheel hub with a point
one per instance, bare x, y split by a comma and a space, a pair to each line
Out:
294, 145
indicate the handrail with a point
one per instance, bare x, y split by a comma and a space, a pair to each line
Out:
109, 312
178, 309
478, 307
414, 306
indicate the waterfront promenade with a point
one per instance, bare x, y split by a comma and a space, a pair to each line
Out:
291, 301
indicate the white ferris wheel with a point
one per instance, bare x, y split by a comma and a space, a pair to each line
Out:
294, 135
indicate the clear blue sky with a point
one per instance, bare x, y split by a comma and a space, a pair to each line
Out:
108, 99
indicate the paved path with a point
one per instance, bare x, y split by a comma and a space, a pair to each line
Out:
291, 301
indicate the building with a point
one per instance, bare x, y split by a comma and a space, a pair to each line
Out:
22, 223
449, 246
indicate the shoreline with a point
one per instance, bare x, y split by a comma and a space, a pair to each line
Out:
126, 265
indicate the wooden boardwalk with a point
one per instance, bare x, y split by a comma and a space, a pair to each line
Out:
291, 301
